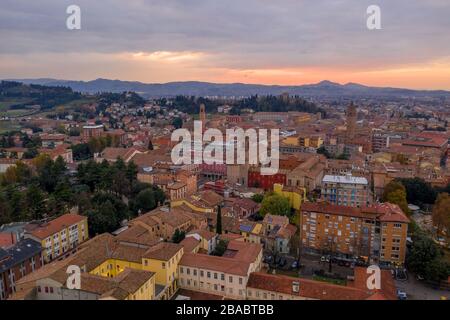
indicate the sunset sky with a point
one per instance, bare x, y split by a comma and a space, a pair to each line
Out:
251, 41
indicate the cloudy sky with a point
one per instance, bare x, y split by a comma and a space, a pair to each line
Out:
251, 41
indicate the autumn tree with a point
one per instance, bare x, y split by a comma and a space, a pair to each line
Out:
441, 212
395, 193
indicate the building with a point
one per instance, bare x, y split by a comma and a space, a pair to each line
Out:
277, 233
227, 275
202, 201
346, 190
380, 141
263, 286
92, 131
16, 261
52, 140
308, 174
377, 233
351, 124
60, 236
244, 208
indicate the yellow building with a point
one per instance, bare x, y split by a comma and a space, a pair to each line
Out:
295, 195
61, 235
163, 260
292, 140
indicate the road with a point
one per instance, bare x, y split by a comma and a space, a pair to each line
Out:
418, 290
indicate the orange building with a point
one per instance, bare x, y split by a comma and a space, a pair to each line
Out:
377, 233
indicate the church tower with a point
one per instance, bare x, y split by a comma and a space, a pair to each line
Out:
351, 123
203, 116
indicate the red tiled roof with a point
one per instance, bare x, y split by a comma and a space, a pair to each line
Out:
385, 211
56, 225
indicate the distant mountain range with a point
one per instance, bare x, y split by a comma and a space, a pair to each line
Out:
326, 89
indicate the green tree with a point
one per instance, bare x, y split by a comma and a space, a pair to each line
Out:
178, 236
150, 145
258, 198
177, 123
220, 249
275, 204
219, 220
34, 199
144, 201
418, 191
426, 259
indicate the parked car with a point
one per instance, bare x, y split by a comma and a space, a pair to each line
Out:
294, 264
282, 262
401, 295
268, 259
401, 275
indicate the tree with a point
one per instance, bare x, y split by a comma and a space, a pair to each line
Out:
258, 198
177, 123
418, 191
395, 193
34, 199
220, 249
275, 204
219, 220
30, 153
144, 201
103, 219
150, 145
322, 150
178, 236
441, 212
426, 259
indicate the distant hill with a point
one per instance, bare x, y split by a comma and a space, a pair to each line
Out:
322, 89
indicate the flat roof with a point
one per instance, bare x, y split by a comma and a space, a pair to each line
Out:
345, 179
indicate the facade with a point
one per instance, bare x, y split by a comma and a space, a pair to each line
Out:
346, 190
92, 131
377, 233
22, 258
226, 275
60, 236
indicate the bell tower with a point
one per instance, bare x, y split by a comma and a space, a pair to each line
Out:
203, 116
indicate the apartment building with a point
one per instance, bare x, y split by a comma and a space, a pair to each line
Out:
59, 236
346, 190
16, 261
226, 275
377, 233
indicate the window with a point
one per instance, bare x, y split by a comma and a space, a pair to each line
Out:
240, 280
181, 270
163, 265
222, 277
188, 271
195, 272
202, 273
230, 279
215, 275
208, 274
